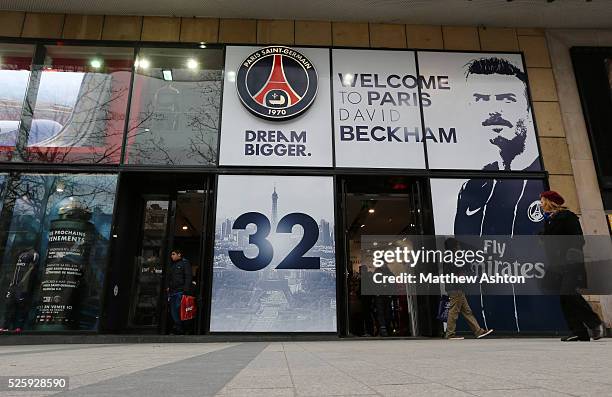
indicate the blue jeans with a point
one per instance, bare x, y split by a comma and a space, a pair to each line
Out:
174, 300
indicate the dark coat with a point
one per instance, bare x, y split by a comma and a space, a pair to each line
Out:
178, 276
565, 254
24, 276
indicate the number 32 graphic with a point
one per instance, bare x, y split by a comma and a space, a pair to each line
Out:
294, 260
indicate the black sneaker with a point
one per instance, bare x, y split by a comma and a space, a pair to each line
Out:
575, 338
487, 332
597, 332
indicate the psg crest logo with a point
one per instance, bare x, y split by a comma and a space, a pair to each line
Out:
277, 83
534, 212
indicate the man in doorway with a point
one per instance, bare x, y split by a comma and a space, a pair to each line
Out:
178, 282
498, 96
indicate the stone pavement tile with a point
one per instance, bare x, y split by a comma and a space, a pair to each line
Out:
385, 377
264, 381
269, 360
419, 390
313, 375
478, 382
254, 392
574, 386
274, 347
509, 371
37, 348
333, 385
253, 371
43, 349
535, 392
201, 375
24, 394
93, 365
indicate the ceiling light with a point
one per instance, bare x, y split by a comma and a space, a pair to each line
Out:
348, 79
192, 64
362, 226
202, 44
185, 227
371, 210
96, 63
167, 74
142, 63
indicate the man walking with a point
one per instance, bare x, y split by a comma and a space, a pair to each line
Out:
178, 282
458, 302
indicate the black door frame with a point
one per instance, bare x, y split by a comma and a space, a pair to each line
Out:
420, 200
132, 191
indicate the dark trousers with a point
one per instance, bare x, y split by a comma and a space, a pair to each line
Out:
15, 313
578, 314
174, 300
383, 314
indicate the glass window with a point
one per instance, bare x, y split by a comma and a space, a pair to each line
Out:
174, 115
54, 242
76, 105
15, 65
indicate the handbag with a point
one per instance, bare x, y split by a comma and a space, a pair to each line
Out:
188, 307
443, 307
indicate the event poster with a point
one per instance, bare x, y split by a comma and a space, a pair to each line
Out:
274, 264
276, 107
484, 108
377, 119
69, 244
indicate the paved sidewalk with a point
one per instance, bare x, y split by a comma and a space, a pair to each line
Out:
492, 367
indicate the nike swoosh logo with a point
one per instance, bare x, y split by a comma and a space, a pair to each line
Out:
468, 212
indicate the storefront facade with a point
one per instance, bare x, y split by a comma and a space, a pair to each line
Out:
126, 137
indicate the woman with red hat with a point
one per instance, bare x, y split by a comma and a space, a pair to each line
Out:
559, 220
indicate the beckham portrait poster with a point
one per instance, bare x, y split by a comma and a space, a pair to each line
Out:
274, 259
486, 106
276, 107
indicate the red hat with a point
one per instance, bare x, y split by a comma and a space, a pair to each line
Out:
553, 196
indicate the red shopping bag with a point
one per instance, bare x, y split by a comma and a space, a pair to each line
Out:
188, 307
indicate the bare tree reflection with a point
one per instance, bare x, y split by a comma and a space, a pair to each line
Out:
25, 202
179, 129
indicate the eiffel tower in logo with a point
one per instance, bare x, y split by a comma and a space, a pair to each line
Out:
276, 92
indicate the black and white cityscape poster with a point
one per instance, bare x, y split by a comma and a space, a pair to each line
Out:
274, 266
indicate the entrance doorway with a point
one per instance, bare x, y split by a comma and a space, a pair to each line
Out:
156, 215
383, 206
